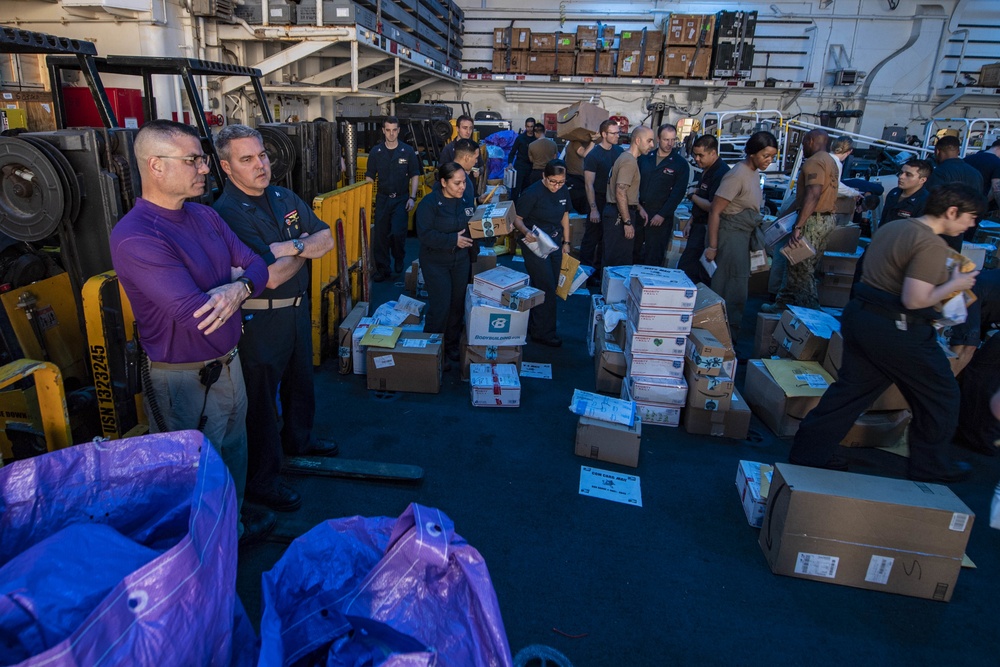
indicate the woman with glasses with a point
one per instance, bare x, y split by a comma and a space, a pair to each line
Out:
442, 221
545, 205
734, 216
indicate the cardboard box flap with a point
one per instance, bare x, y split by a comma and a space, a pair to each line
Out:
799, 378
819, 323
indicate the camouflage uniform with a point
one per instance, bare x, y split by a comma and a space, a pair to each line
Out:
799, 288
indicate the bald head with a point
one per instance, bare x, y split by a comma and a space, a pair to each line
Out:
157, 137
815, 141
642, 140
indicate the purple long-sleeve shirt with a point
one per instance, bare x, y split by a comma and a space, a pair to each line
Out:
167, 260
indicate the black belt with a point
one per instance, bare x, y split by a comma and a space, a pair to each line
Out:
194, 365
894, 315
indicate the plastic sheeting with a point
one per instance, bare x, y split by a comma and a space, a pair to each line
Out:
170, 498
382, 591
498, 147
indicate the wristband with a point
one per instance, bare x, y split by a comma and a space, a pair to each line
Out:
247, 283
565, 242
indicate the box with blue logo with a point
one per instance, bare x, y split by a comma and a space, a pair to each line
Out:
489, 323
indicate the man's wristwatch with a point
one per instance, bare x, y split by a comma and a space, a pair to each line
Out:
247, 284
299, 246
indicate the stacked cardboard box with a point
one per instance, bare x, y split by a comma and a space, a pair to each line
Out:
495, 385
510, 50
609, 429
596, 55
639, 53
688, 53
781, 392
885, 422
836, 271
659, 303
714, 407
804, 333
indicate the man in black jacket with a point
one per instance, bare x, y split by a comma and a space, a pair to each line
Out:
664, 179
519, 157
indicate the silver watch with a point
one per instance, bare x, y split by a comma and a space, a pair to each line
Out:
299, 246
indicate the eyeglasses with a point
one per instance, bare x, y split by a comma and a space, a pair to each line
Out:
196, 161
551, 182
615, 133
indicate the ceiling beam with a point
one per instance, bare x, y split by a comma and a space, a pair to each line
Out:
281, 59
338, 71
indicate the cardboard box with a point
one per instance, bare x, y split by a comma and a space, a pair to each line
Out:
494, 386
390, 315
710, 314
614, 283
839, 263
658, 320
764, 344
781, 413
413, 279
517, 63
637, 40
732, 423
979, 253
585, 64
522, 298
345, 336
492, 220
800, 253
690, 30
833, 296
487, 354
662, 391
800, 337
890, 400
596, 321
413, 364
493, 283
705, 392
607, 441
580, 121
671, 345
485, 260
609, 364
577, 227
687, 62
706, 353
653, 365
488, 323
753, 481
637, 63
888, 535
519, 38
877, 429
553, 41
358, 351
587, 37
551, 63
674, 290
655, 414
989, 76
844, 239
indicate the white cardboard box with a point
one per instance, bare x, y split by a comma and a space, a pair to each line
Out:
494, 385
672, 345
654, 365
492, 284
488, 323
663, 390
653, 413
358, 351
672, 290
749, 475
614, 283
658, 320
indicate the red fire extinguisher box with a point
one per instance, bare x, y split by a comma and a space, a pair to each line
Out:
81, 109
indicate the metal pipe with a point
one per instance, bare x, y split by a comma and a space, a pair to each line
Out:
351, 151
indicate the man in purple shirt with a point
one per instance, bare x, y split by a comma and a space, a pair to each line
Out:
186, 274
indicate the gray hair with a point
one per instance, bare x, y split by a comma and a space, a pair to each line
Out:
841, 145
230, 133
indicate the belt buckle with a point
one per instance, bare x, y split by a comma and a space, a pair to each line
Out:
392, 196
232, 355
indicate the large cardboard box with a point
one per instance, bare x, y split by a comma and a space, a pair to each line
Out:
658, 320
705, 392
345, 336
609, 364
770, 402
890, 400
587, 37
687, 62
690, 30
833, 296
413, 365
888, 535
804, 337
580, 121
493, 283
877, 429
487, 354
670, 290
764, 344
492, 220
638, 63
843, 239
710, 314
494, 386
553, 41
637, 40
706, 353
753, 481
607, 441
585, 64
516, 64
551, 63
489, 323
519, 38
839, 263
671, 345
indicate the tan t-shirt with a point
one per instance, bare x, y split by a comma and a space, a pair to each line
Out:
574, 163
625, 170
905, 248
541, 152
741, 186
820, 169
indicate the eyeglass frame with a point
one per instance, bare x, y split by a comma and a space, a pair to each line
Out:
191, 160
